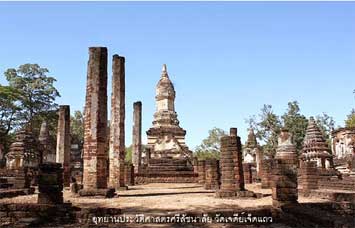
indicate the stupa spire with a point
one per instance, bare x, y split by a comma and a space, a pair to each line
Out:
164, 71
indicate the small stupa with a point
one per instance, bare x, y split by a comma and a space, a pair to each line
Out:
315, 147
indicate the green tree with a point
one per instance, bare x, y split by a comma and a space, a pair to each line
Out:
8, 109
210, 146
266, 127
326, 124
37, 95
350, 121
295, 123
77, 127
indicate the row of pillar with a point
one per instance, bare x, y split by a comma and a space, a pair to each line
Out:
97, 174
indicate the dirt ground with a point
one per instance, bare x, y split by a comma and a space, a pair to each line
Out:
162, 198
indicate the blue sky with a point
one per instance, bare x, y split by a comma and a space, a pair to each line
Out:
225, 59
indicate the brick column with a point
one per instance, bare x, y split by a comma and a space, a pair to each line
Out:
201, 168
266, 174
284, 180
248, 176
308, 176
63, 142
129, 174
95, 156
211, 174
137, 136
236, 148
50, 183
228, 183
259, 162
117, 128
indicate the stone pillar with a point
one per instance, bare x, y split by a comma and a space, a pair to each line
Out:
48, 154
117, 128
95, 156
308, 177
211, 174
195, 164
236, 148
201, 168
247, 170
266, 174
63, 142
284, 180
259, 162
129, 174
137, 136
50, 183
228, 184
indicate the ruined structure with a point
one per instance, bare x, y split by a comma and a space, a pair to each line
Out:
236, 148
117, 125
24, 152
250, 148
48, 153
231, 168
63, 141
307, 177
343, 140
201, 170
76, 161
284, 183
315, 147
170, 159
129, 174
137, 136
259, 162
211, 174
266, 174
50, 183
228, 183
95, 124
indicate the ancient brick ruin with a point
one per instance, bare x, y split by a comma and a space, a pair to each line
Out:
48, 153
201, 170
117, 124
63, 141
211, 174
95, 156
284, 179
315, 147
137, 136
50, 183
170, 159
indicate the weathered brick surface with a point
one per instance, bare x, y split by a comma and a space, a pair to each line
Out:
201, 169
137, 136
212, 174
63, 141
248, 175
266, 174
117, 124
235, 147
308, 176
50, 183
95, 121
227, 164
129, 174
284, 172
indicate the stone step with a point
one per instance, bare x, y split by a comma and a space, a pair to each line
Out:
167, 161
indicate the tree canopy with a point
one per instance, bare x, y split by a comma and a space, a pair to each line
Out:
210, 146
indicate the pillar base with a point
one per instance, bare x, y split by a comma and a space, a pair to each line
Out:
225, 194
122, 188
105, 192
